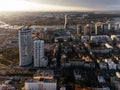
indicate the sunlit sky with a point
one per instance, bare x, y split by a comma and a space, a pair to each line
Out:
58, 5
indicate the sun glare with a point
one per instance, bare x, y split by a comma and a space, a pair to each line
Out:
24, 5
17, 5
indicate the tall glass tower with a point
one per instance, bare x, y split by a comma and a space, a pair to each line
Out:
25, 47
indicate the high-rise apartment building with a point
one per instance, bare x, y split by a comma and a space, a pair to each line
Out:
25, 47
111, 25
117, 26
80, 29
66, 23
39, 60
98, 28
105, 28
88, 29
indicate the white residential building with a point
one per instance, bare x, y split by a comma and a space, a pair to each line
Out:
105, 28
39, 59
25, 46
116, 26
40, 85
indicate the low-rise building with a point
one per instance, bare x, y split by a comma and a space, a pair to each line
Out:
115, 82
44, 74
6, 87
100, 38
38, 85
111, 64
104, 88
85, 38
103, 65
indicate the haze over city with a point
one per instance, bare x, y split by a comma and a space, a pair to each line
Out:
59, 5
59, 44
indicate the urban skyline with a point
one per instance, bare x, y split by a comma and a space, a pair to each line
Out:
59, 45
75, 51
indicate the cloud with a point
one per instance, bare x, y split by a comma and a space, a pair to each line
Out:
98, 4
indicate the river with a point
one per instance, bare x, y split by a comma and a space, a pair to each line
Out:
4, 25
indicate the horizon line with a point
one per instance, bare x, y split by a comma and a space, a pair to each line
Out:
48, 11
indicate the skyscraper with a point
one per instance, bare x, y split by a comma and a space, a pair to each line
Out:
66, 23
117, 26
39, 60
25, 47
98, 28
87, 29
80, 29
105, 28
111, 25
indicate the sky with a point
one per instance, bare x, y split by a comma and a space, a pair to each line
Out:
59, 5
